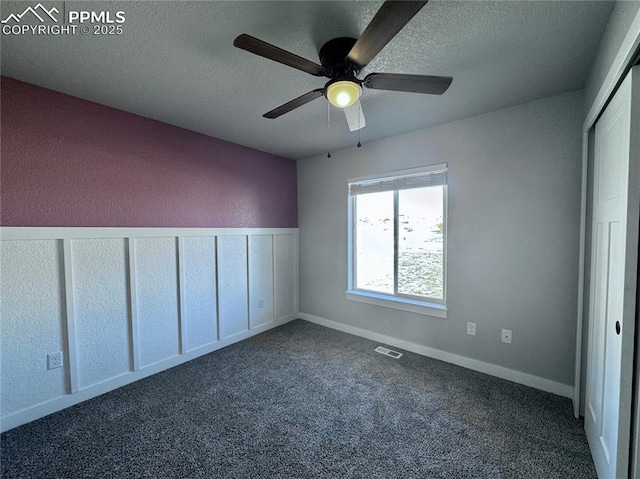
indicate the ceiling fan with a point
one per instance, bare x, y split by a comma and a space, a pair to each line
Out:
342, 59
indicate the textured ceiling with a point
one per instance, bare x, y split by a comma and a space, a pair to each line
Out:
175, 62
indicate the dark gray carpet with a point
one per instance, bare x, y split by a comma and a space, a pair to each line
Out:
303, 401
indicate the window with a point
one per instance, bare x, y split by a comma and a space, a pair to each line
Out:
397, 240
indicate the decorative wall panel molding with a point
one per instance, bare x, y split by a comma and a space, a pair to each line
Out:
124, 303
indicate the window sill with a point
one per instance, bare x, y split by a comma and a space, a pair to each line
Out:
412, 306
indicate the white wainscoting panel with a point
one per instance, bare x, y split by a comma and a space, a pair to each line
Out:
157, 298
125, 303
286, 276
199, 299
32, 312
233, 291
260, 280
101, 309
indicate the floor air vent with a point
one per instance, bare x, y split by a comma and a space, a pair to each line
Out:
388, 352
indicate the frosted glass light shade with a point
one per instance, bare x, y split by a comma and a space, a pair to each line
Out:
343, 93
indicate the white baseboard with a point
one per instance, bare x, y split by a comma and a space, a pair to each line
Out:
491, 369
62, 402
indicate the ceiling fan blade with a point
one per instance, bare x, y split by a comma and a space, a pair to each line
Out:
354, 116
432, 85
295, 103
386, 23
266, 50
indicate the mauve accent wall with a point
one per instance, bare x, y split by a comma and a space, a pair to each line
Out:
71, 162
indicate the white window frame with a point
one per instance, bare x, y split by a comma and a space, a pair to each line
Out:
416, 304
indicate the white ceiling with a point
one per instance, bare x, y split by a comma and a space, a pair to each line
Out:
175, 63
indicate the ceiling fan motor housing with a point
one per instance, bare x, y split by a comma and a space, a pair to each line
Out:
333, 56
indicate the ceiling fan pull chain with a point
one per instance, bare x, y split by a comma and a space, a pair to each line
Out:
329, 129
359, 115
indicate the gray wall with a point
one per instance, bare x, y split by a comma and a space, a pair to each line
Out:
514, 193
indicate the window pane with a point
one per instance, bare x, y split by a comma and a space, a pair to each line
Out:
374, 241
420, 242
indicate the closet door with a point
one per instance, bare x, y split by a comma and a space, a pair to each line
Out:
613, 282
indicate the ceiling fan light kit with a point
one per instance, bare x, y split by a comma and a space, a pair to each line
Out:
342, 59
343, 93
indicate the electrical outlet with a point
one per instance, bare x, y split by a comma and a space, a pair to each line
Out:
471, 329
506, 336
261, 303
54, 360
